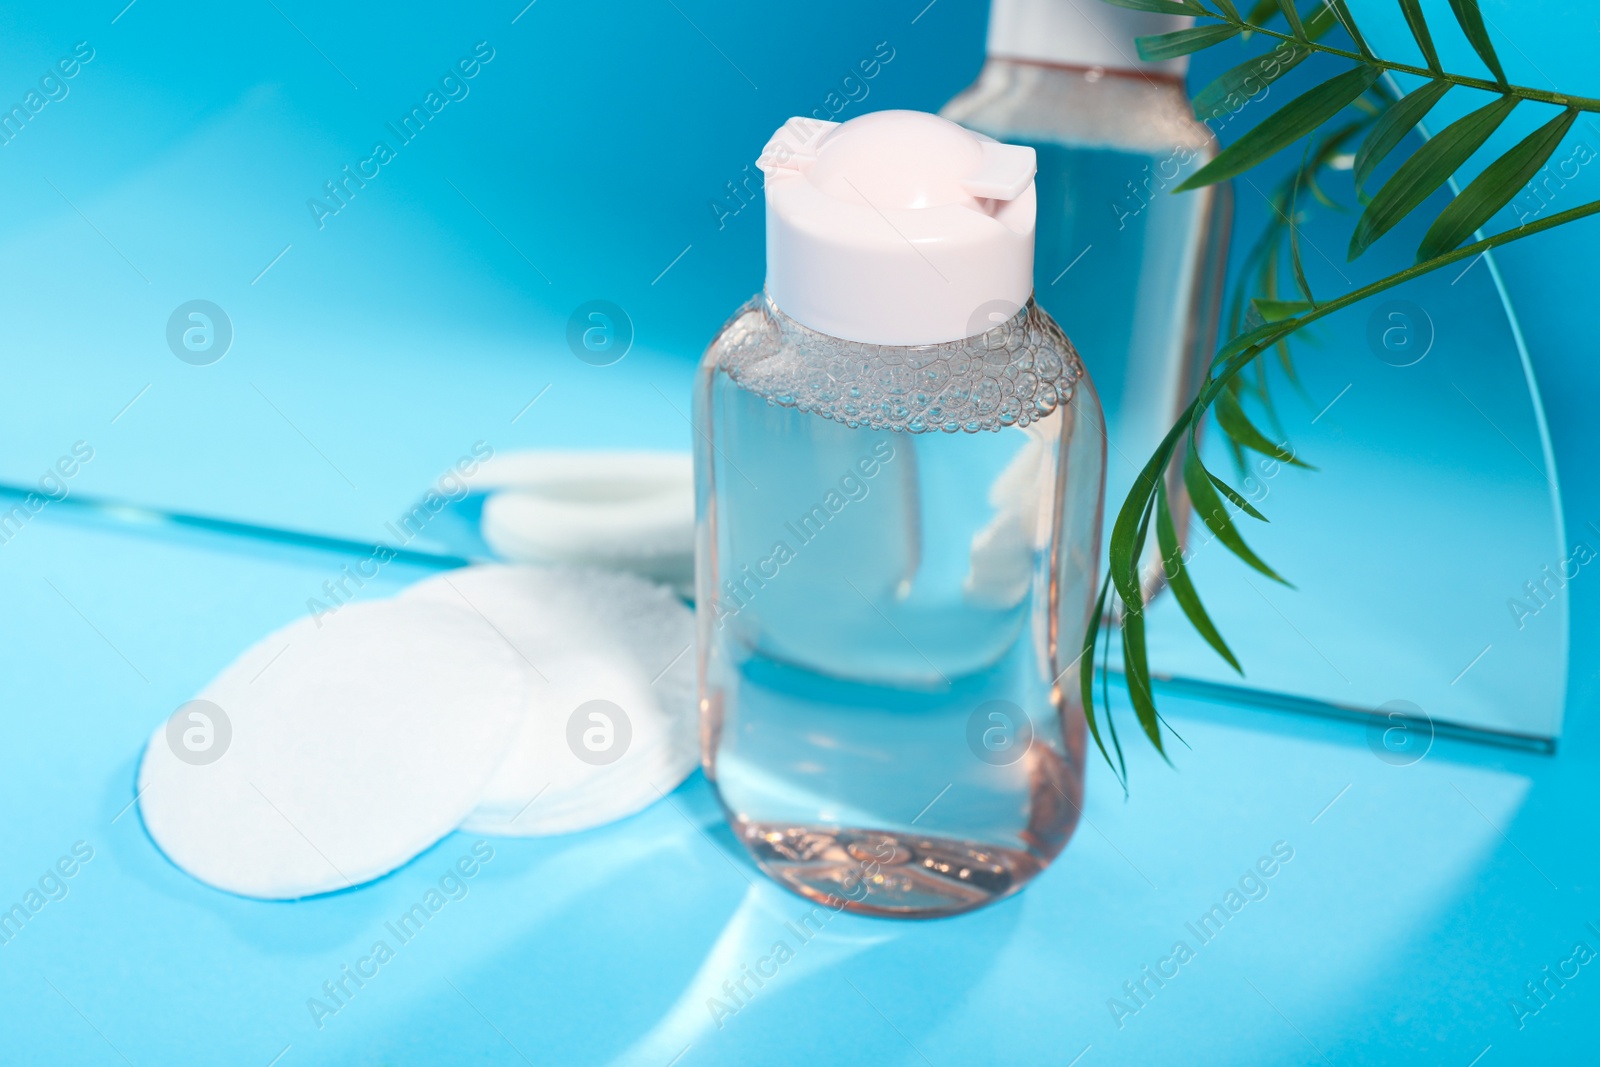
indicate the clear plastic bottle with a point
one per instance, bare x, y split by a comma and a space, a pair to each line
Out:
900, 475
1132, 272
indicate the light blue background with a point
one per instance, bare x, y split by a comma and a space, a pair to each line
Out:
377, 350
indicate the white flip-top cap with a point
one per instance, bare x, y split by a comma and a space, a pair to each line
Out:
1079, 33
897, 228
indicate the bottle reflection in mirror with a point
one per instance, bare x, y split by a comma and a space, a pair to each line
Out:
1131, 271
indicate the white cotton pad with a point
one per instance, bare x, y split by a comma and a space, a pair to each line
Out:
349, 748
588, 475
652, 536
590, 636
629, 511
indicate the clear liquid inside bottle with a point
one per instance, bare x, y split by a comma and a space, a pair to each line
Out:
897, 551
1131, 272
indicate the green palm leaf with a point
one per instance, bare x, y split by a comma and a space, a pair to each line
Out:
1124, 560
1127, 532
1208, 505
1086, 672
1494, 188
1263, 334
1135, 659
1294, 252
1182, 42
1425, 171
1292, 15
1285, 126
1262, 12
1419, 30
1278, 310
1342, 13
1162, 7
1238, 501
1471, 20
1182, 587
1136, 671
1263, 70
1237, 425
1392, 128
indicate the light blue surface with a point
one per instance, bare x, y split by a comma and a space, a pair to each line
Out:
1397, 932
1415, 906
